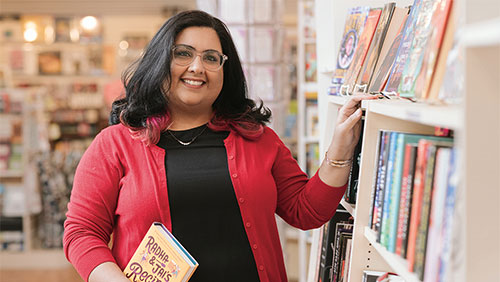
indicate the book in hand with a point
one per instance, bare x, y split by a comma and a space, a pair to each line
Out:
160, 257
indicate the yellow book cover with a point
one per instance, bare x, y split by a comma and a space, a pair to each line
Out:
160, 257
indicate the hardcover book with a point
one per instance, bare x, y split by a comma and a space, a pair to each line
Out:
394, 27
375, 47
160, 257
404, 47
363, 44
353, 27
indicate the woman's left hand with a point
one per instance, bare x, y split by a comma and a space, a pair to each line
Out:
348, 128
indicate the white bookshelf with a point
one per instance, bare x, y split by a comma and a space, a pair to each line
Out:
476, 126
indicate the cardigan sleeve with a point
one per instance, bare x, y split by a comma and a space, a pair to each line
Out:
302, 202
90, 216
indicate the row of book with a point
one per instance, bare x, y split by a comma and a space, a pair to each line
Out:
413, 199
395, 50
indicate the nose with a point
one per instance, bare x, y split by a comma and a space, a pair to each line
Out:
197, 65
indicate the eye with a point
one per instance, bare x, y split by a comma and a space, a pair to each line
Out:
211, 57
183, 53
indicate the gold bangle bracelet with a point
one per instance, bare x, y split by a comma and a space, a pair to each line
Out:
337, 163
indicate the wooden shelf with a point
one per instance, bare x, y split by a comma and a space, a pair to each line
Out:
350, 208
397, 263
447, 116
11, 174
33, 259
480, 34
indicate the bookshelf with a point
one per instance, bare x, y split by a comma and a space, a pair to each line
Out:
475, 244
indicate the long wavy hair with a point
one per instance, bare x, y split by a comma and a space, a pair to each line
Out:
144, 109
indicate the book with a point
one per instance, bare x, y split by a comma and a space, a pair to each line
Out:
327, 236
419, 45
403, 50
375, 47
380, 145
383, 235
353, 28
382, 72
434, 53
342, 230
394, 27
364, 42
405, 200
433, 249
160, 257
380, 183
418, 198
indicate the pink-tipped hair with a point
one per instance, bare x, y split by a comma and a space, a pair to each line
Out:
158, 124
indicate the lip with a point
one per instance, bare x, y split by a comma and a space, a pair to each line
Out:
183, 80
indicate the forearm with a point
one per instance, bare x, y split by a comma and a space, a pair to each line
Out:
335, 176
107, 272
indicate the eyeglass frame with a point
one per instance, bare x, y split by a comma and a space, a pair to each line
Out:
198, 53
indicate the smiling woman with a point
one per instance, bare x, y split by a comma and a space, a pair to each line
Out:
186, 121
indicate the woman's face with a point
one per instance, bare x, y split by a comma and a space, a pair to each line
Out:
193, 87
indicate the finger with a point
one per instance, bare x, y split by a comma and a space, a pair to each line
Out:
351, 121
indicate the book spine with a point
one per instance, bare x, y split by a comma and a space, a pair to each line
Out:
416, 203
384, 233
395, 192
380, 149
421, 241
406, 196
379, 196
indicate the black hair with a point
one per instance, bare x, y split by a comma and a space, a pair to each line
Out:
145, 80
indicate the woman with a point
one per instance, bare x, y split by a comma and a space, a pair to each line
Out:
190, 150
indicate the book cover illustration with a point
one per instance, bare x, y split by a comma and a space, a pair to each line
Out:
353, 27
49, 62
381, 75
376, 45
404, 47
363, 44
160, 257
423, 30
433, 48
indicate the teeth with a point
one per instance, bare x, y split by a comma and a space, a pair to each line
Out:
193, 82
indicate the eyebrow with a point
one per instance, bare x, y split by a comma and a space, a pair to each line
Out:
191, 47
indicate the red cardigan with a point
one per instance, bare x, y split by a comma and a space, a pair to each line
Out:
120, 187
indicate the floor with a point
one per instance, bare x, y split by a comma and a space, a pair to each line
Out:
61, 275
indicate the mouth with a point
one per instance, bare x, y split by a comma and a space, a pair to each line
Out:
192, 82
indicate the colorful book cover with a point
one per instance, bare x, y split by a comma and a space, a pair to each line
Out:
381, 75
363, 44
433, 49
423, 32
353, 27
376, 45
384, 230
160, 257
404, 47
394, 27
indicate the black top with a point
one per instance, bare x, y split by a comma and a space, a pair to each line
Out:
205, 215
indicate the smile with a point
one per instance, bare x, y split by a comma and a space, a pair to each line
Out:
193, 82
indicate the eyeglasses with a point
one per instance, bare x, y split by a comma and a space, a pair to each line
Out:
184, 55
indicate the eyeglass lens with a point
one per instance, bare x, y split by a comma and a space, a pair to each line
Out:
184, 55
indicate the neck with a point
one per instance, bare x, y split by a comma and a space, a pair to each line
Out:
184, 122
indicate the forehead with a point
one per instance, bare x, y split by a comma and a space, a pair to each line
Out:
200, 38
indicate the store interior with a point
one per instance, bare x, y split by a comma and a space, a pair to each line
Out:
60, 69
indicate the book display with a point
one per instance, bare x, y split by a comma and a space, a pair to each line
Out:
416, 211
